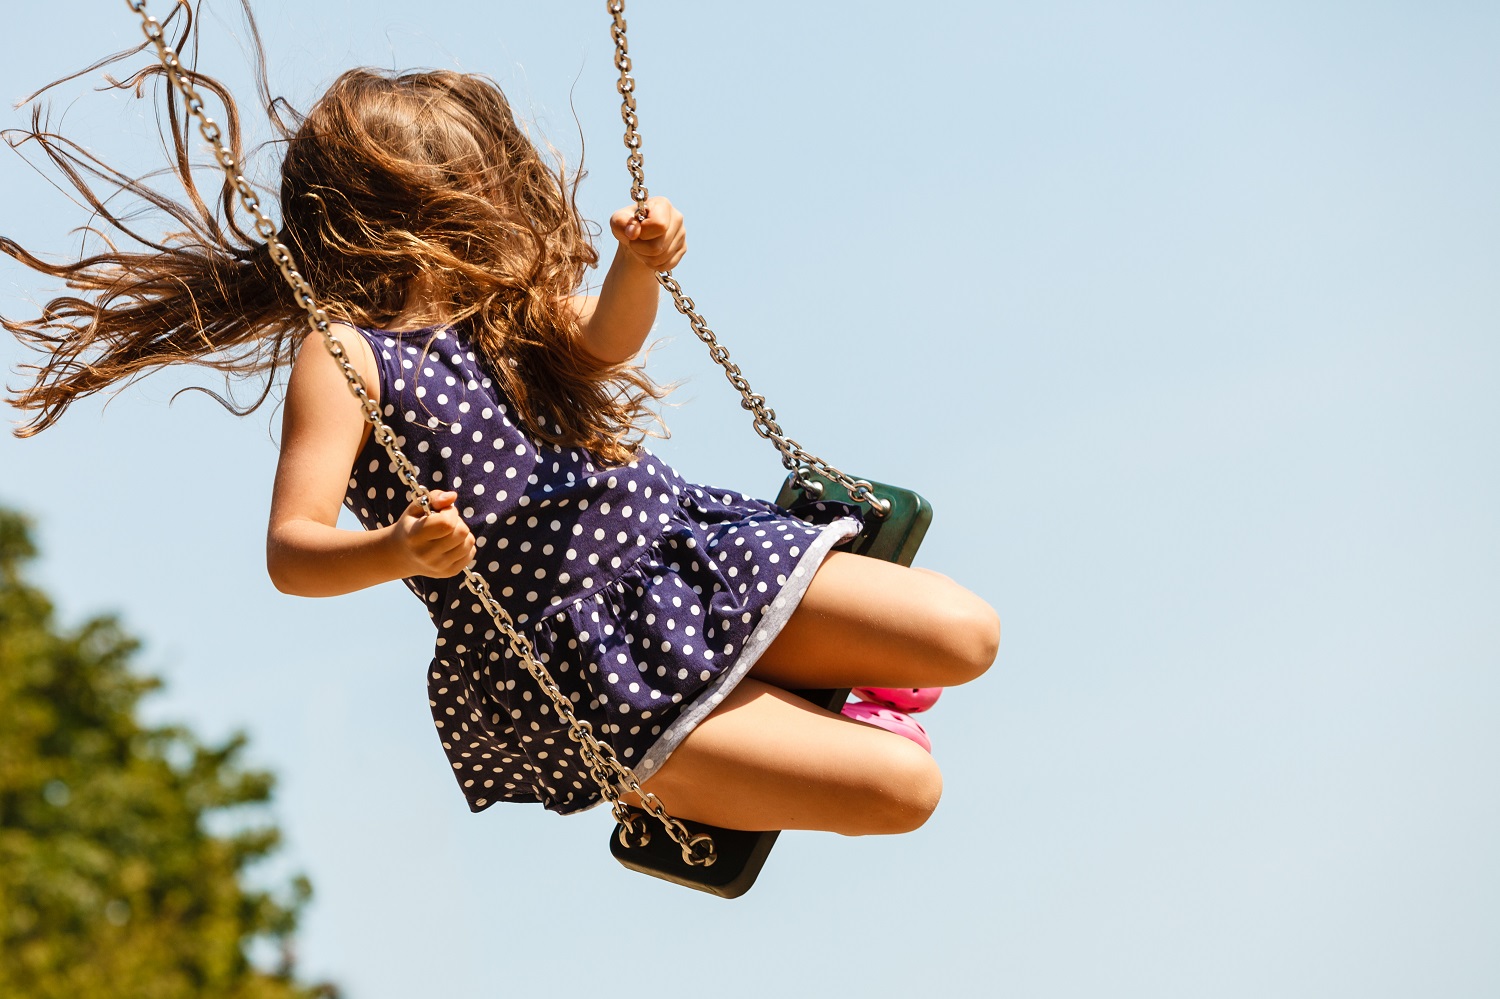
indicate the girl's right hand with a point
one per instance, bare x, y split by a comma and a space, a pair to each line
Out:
437, 544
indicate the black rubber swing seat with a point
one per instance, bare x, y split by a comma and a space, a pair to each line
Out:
739, 855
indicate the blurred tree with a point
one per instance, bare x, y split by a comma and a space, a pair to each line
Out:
110, 884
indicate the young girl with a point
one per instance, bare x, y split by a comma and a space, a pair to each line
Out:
674, 616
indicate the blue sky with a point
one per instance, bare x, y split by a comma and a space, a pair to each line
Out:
1184, 318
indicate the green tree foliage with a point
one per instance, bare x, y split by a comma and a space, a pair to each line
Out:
110, 884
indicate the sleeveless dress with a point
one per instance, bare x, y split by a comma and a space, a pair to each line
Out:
648, 598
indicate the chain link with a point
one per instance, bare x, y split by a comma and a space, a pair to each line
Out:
598, 757
793, 456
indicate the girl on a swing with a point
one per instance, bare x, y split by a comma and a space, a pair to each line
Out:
674, 617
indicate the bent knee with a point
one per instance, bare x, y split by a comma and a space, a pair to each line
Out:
984, 636
972, 630
907, 785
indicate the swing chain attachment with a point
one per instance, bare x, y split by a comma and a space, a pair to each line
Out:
635, 832
613, 776
796, 459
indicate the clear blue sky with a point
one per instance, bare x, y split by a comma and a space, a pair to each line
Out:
1183, 315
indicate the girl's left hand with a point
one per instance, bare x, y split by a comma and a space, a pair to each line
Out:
659, 242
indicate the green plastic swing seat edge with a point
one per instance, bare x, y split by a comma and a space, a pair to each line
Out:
739, 854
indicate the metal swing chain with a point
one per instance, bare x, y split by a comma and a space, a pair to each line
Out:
793, 456
599, 758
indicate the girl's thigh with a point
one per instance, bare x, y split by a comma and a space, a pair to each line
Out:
766, 759
866, 622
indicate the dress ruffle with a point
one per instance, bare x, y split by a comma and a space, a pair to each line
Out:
644, 656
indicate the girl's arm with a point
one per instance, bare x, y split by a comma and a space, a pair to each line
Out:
322, 433
615, 322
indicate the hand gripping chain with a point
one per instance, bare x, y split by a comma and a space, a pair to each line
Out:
793, 456
598, 757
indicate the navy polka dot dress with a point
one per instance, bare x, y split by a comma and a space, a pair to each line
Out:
647, 598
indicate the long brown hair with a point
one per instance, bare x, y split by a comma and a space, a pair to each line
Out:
390, 182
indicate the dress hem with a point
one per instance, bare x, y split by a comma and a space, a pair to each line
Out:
778, 612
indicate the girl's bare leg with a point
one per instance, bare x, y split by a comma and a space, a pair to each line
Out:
767, 759
865, 622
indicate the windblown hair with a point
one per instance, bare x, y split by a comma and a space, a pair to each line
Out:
392, 182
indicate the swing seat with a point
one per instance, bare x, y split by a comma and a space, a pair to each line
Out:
739, 855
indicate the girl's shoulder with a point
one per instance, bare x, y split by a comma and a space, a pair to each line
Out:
316, 364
